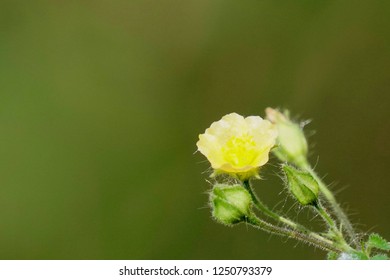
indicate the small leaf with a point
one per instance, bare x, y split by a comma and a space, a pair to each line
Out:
380, 257
377, 241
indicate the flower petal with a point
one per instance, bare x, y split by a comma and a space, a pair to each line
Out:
236, 144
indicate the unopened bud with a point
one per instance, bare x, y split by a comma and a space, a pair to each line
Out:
291, 141
302, 185
230, 203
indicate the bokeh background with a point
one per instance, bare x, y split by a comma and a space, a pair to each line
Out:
101, 104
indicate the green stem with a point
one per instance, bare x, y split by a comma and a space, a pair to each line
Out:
263, 208
260, 224
333, 227
326, 217
341, 216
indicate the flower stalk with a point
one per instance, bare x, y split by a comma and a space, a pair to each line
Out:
337, 210
291, 224
322, 244
336, 233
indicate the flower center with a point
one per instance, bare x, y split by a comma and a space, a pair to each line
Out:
240, 151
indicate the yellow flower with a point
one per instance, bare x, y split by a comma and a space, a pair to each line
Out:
238, 145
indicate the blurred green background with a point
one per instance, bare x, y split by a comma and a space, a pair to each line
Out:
101, 104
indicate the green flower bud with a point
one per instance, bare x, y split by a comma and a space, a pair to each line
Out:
291, 141
230, 203
302, 185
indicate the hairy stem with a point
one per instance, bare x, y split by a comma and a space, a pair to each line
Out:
333, 227
260, 224
295, 226
341, 216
